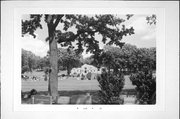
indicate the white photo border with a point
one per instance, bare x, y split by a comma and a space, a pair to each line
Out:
11, 83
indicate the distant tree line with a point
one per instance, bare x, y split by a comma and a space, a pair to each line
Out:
67, 59
128, 58
29, 61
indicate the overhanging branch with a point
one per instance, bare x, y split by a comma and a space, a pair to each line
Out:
59, 17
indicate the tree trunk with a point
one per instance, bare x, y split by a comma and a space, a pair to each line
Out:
68, 69
53, 80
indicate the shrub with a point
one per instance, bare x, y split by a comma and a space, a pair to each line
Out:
83, 77
146, 86
32, 92
88, 75
25, 69
111, 85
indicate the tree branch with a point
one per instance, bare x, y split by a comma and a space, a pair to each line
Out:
71, 38
57, 20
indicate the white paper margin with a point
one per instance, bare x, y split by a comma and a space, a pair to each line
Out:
160, 43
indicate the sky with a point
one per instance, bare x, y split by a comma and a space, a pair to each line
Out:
144, 37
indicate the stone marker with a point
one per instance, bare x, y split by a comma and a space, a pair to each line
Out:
41, 99
81, 99
63, 100
129, 100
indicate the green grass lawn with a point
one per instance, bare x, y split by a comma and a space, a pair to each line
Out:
71, 86
67, 84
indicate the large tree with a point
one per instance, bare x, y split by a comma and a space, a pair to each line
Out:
111, 57
87, 26
118, 58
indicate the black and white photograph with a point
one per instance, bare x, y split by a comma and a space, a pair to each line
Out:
88, 59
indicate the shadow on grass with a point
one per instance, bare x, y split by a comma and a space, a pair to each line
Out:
94, 94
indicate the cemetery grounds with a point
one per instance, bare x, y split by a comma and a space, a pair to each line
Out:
70, 86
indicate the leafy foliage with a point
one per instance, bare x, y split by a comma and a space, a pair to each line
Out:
111, 85
108, 26
128, 57
68, 59
146, 86
112, 58
86, 26
24, 69
142, 57
89, 75
29, 61
43, 62
29, 26
151, 19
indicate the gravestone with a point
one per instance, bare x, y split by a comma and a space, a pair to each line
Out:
81, 99
129, 100
63, 100
41, 99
